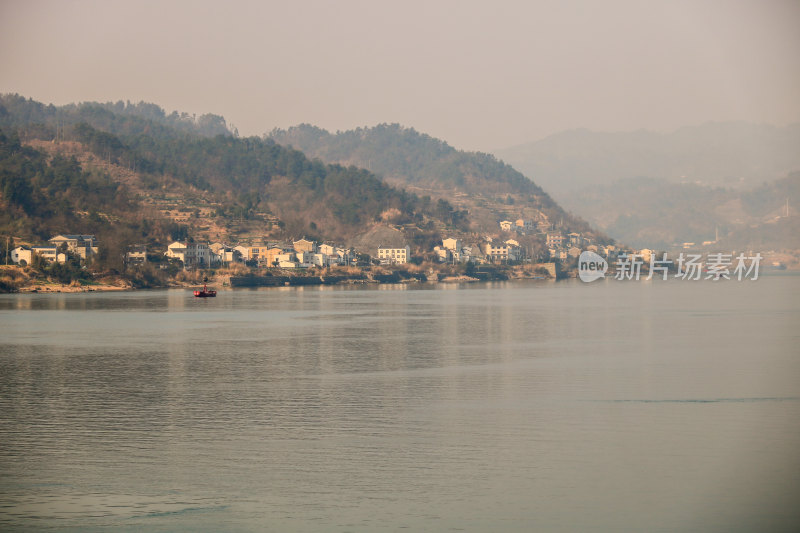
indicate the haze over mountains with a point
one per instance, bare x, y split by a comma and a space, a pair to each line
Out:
715, 154
653, 189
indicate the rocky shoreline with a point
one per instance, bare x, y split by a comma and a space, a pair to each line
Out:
19, 281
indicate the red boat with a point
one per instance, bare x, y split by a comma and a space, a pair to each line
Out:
205, 293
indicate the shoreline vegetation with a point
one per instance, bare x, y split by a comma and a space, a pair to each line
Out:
27, 279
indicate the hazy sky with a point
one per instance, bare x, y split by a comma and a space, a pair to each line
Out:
481, 75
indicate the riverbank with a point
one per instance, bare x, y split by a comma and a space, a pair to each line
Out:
53, 288
387, 275
29, 280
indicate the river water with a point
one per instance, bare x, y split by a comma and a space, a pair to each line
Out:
515, 406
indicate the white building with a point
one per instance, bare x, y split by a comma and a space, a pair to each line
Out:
304, 245
327, 249
288, 259
394, 256
304, 259
346, 256
81, 245
451, 244
190, 254
48, 253
324, 260
502, 252
244, 251
443, 255
136, 255
225, 255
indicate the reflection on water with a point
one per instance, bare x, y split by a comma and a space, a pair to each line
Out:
504, 407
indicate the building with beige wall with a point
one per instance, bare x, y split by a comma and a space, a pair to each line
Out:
81, 245
394, 256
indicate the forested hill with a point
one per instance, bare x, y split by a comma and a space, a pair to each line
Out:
220, 188
119, 118
478, 183
406, 156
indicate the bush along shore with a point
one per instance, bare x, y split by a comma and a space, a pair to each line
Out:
55, 279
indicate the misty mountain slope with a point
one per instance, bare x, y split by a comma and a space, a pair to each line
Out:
489, 189
647, 212
730, 153
407, 156
119, 118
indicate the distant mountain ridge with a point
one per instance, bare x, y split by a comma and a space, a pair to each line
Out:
717, 154
118, 118
647, 212
487, 188
407, 156
653, 189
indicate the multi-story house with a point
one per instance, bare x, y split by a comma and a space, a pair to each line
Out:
136, 255
286, 260
257, 253
81, 245
244, 252
555, 240
575, 239
346, 256
394, 256
443, 254
451, 244
272, 253
327, 249
304, 245
502, 252
323, 260
225, 255
190, 254
48, 253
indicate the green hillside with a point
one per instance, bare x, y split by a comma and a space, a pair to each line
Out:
128, 162
409, 157
478, 183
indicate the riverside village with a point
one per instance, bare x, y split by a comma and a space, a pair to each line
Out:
64, 263
302, 261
